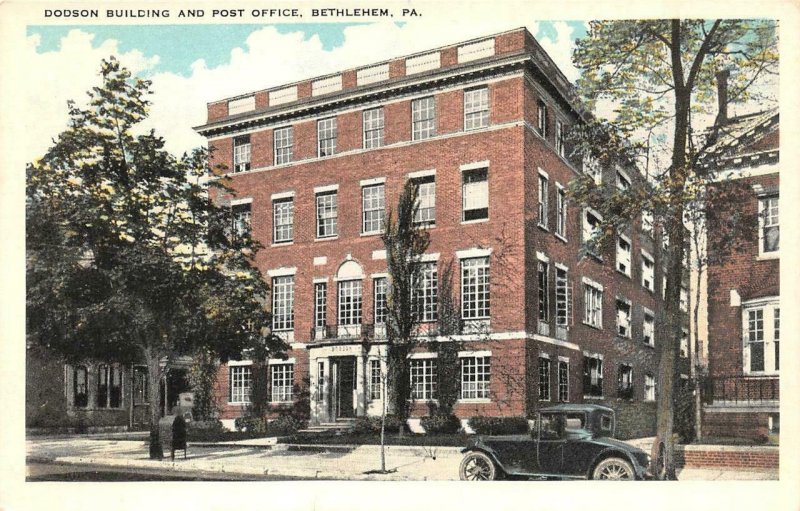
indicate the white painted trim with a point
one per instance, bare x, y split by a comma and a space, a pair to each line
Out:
473, 252
481, 353
282, 195
422, 173
736, 300
320, 280
276, 361
593, 355
761, 170
282, 271
380, 275
320, 260
415, 356
236, 363
626, 238
554, 341
372, 181
378, 255
543, 173
561, 266
647, 256
590, 282
474, 165
766, 300
624, 300
427, 258
648, 312
544, 355
239, 202
563, 359
541, 256
327, 188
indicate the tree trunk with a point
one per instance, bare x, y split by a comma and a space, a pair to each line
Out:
153, 361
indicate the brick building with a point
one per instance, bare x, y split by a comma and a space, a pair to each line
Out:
742, 391
480, 128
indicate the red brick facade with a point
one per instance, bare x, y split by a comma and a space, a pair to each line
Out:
515, 156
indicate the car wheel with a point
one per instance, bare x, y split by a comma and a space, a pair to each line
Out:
476, 466
613, 469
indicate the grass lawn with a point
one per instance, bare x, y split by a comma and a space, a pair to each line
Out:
455, 440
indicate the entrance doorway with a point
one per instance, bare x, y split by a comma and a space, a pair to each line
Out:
343, 383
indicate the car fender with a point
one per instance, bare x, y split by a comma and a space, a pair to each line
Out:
611, 452
486, 451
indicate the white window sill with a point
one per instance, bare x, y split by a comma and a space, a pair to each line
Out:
371, 233
768, 256
282, 243
649, 345
561, 237
281, 402
238, 403
623, 273
327, 238
543, 227
594, 397
476, 221
474, 401
591, 325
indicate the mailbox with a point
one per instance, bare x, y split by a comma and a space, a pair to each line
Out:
172, 434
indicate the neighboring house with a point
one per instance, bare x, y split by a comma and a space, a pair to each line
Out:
742, 391
480, 128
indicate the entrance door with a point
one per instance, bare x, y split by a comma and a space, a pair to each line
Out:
344, 385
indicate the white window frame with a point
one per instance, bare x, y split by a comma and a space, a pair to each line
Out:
423, 118
543, 290
595, 375
624, 314
281, 383
350, 303
423, 378
475, 194
589, 231
543, 200
593, 305
475, 288
544, 372
380, 293
373, 208
426, 297
648, 327
542, 118
240, 380
426, 200
766, 220
561, 211
561, 146
283, 303
563, 383
326, 137
624, 255
373, 128
623, 180
320, 304
649, 387
242, 153
327, 214
684, 349
283, 145
475, 378
283, 220
625, 380
476, 108
375, 379
648, 272
768, 328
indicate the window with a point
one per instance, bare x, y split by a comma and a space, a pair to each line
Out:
475, 377
623, 181
648, 273
283, 141
241, 378
684, 303
649, 387
374, 379
561, 211
476, 108
684, 350
240, 219
649, 329
283, 220
381, 289
563, 381
543, 201
326, 137
542, 119
80, 387
591, 228
562, 297
140, 385
475, 301
423, 118
283, 303
426, 300
544, 379
320, 304
281, 382
561, 139
625, 382
320, 381
373, 128
423, 378
593, 376
623, 318
426, 200
593, 306
542, 274
769, 232
647, 223
327, 215
373, 208
350, 302
760, 341
624, 255
109, 386
241, 154
475, 194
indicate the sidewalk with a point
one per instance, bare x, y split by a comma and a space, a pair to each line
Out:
263, 457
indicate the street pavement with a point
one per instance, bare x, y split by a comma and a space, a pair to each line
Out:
261, 458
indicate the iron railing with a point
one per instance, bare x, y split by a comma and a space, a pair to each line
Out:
740, 389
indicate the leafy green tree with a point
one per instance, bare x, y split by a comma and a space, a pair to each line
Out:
128, 257
659, 75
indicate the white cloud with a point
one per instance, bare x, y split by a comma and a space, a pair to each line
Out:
267, 59
560, 49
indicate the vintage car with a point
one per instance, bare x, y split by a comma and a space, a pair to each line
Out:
567, 441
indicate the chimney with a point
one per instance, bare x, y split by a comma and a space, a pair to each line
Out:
722, 96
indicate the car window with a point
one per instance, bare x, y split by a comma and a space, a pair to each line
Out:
575, 421
551, 427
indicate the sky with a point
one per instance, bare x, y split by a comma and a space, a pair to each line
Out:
191, 65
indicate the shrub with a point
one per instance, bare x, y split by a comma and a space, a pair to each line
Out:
441, 424
285, 425
498, 425
372, 425
257, 425
210, 426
